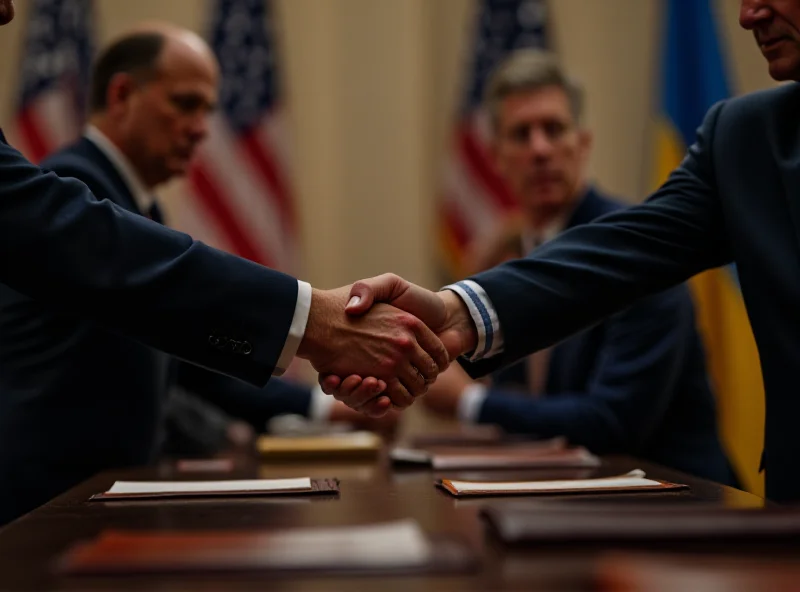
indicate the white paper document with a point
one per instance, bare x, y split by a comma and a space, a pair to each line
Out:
157, 487
631, 480
395, 544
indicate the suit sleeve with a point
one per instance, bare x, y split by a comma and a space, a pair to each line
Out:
63, 247
238, 399
598, 269
632, 383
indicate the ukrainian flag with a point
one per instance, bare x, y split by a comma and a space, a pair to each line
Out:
693, 79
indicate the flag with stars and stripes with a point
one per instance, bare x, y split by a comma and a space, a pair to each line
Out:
240, 198
474, 197
54, 77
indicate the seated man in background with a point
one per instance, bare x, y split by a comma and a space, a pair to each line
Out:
634, 384
76, 399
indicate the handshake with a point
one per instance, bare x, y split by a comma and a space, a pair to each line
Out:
381, 342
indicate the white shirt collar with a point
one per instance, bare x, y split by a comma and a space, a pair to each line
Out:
143, 198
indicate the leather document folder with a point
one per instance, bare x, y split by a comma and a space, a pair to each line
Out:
637, 572
518, 524
130, 490
533, 455
634, 482
399, 547
339, 446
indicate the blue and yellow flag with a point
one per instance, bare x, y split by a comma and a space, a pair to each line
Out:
693, 79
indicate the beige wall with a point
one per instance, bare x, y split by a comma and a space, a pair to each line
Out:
371, 86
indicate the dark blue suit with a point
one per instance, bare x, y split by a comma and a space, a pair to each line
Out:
77, 398
83, 254
734, 198
634, 384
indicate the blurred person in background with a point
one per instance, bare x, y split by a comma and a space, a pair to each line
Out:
76, 398
634, 384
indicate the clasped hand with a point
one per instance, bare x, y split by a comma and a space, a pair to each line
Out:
381, 342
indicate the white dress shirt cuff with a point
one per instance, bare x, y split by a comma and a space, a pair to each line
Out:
297, 329
319, 410
471, 402
490, 337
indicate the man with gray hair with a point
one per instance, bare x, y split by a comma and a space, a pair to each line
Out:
634, 384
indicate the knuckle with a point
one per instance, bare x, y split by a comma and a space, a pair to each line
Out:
411, 323
404, 342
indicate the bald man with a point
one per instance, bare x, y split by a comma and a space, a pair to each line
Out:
65, 246
75, 398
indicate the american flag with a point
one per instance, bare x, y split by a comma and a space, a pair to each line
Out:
474, 198
240, 198
56, 66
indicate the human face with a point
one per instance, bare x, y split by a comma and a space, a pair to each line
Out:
163, 120
6, 11
776, 27
540, 150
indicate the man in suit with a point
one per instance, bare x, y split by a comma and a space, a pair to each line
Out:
634, 384
67, 247
734, 198
75, 398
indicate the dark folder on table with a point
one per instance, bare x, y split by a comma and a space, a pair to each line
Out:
546, 454
575, 523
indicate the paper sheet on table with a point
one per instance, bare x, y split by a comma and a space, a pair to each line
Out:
633, 481
254, 485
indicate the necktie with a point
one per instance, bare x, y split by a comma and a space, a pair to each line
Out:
154, 213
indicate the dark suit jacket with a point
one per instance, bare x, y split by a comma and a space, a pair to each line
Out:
634, 384
76, 398
735, 197
85, 255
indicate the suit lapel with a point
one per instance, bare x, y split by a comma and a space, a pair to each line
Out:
786, 146
94, 154
790, 177
590, 207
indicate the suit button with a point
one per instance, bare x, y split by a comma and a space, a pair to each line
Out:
246, 348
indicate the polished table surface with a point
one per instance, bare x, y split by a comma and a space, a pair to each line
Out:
370, 492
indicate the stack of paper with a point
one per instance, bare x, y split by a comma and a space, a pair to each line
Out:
399, 545
161, 489
633, 481
351, 445
517, 456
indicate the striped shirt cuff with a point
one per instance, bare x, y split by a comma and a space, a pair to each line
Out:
490, 338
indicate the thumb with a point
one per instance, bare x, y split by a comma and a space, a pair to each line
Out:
382, 288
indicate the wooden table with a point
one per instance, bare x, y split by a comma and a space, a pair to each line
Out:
370, 492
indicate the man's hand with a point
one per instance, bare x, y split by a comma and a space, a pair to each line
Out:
388, 344
444, 312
